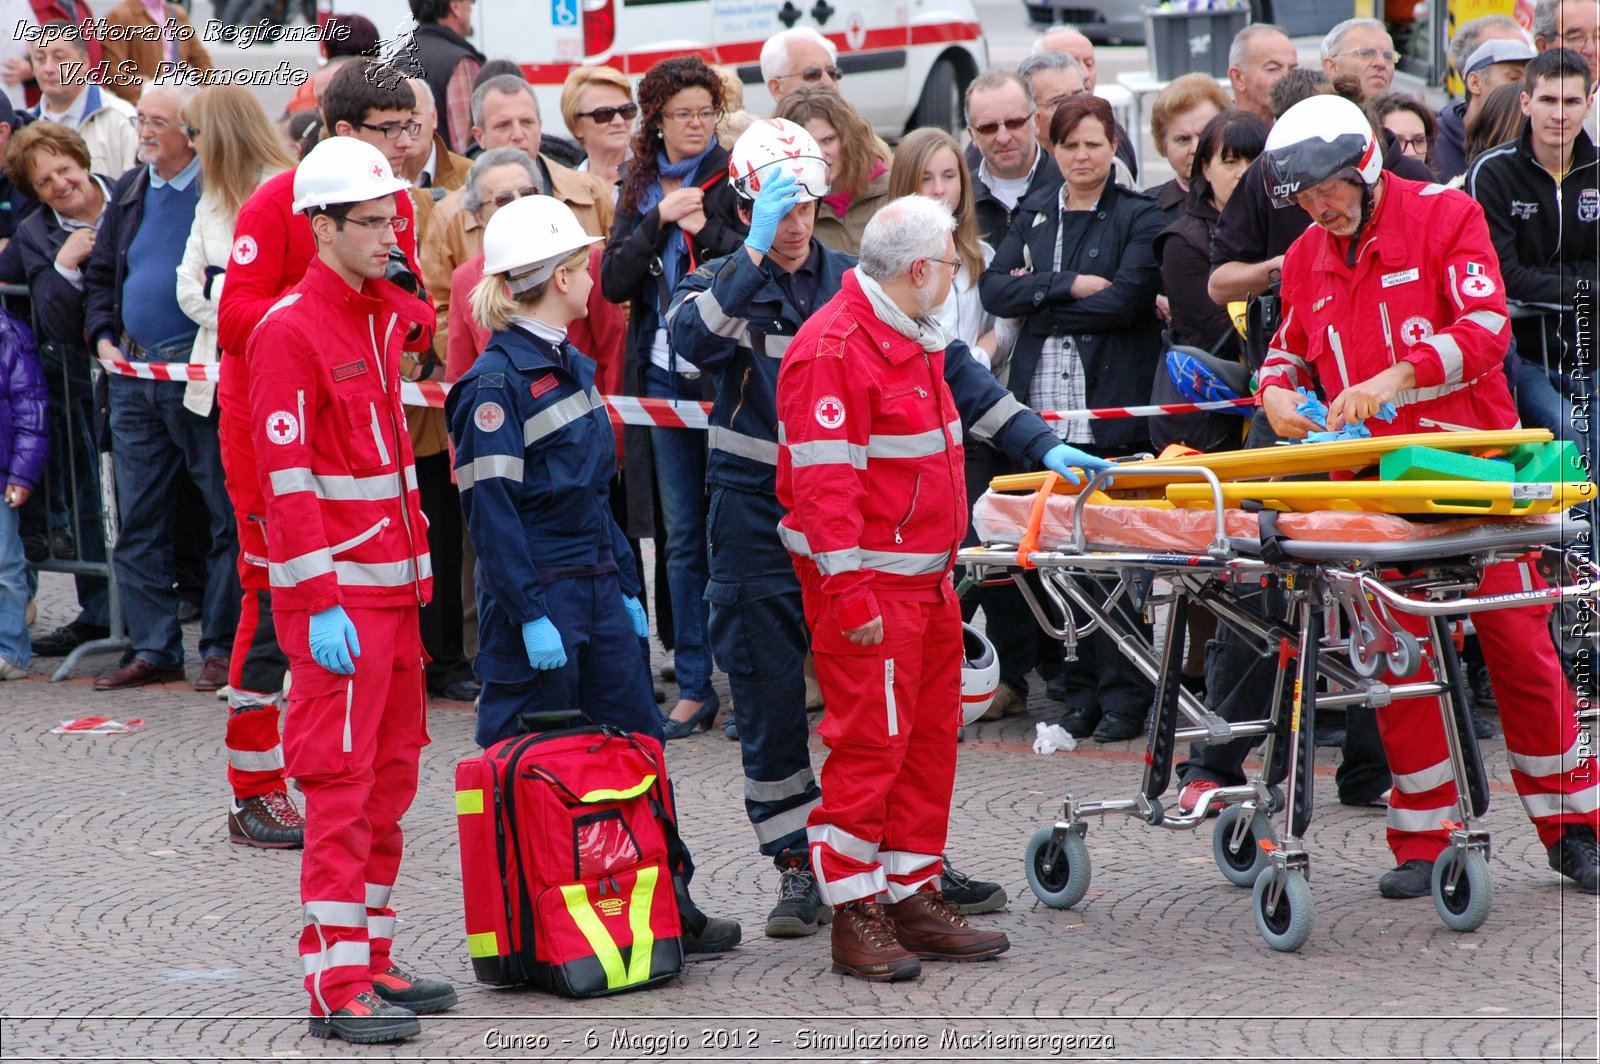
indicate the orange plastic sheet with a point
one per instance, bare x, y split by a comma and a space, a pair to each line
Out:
1004, 518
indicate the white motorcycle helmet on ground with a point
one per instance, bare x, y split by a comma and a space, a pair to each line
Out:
980, 674
529, 238
770, 146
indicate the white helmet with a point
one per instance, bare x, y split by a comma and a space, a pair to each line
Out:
343, 170
528, 238
773, 144
1316, 139
980, 673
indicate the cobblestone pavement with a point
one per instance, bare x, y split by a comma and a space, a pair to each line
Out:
130, 929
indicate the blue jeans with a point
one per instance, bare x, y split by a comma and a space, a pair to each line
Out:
680, 464
15, 646
153, 440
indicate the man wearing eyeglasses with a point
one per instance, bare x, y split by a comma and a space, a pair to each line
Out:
797, 58
1575, 25
1362, 48
131, 312
1000, 120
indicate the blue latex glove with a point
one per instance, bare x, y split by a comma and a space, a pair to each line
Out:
776, 199
1061, 458
543, 644
636, 614
1315, 410
334, 643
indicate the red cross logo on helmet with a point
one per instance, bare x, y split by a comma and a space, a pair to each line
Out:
377, 172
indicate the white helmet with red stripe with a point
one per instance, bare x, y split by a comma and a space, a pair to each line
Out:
1316, 139
770, 146
980, 673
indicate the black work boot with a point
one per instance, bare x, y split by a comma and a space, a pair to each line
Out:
970, 896
1576, 856
367, 1019
421, 996
1118, 728
1412, 879
799, 911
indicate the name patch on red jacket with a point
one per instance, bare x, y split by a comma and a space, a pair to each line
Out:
350, 369
543, 385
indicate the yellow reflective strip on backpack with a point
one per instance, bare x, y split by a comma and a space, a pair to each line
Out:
620, 796
469, 802
484, 944
605, 950
644, 940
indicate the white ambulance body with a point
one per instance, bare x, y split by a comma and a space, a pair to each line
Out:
905, 62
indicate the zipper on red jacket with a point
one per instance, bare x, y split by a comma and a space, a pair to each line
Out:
916, 490
399, 468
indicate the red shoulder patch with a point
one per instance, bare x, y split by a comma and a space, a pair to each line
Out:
543, 385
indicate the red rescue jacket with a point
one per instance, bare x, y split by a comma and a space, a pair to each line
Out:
870, 465
1425, 289
344, 519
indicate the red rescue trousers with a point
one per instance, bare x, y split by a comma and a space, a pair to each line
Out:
256, 667
890, 729
1537, 711
352, 743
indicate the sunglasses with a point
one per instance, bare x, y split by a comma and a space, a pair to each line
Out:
814, 74
602, 116
989, 129
505, 198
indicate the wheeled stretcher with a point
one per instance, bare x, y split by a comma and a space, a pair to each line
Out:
1338, 581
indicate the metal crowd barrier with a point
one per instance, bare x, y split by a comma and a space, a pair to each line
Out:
65, 491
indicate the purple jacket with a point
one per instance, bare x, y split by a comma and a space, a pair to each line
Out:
24, 430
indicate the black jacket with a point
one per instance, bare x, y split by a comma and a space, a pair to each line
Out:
58, 307
994, 220
438, 51
1117, 333
1184, 251
103, 274
1547, 242
1450, 146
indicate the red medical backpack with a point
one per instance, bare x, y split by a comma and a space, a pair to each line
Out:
568, 845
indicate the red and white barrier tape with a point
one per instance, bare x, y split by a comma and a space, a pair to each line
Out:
637, 410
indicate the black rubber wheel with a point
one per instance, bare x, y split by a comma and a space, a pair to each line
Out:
1058, 876
1288, 926
1466, 906
939, 105
1241, 867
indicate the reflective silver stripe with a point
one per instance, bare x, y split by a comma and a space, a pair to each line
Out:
286, 301
334, 913
257, 760
554, 416
828, 452
842, 842
1487, 320
1552, 765
1425, 779
383, 574
1421, 819
851, 888
1526, 576
903, 563
954, 429
297, 570
719, 321
377, 435
909, 445
1338, 355
899, 890
785, 823
775, 346
778, 790
737, 443
380, 927
1450, 356
339, 488
891, 711
1417, 395
490, 466
833, 562
338, 955
241, 701
378, 895
360, 537
994, 419
904, 863
1581, 803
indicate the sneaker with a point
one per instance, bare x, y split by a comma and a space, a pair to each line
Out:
418, 996
970, 896
67, 638
730, 730
1412, 879
1193, 792
268, 821
1482, 726
864, 945
929, 926
799, 911
8, 671
367, 1019
1576, 856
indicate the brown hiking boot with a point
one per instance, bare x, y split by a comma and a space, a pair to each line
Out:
864, 945
929, 926
269, 821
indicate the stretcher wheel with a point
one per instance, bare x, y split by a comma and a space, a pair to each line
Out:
1241, 867
1367, 667
1058, 873
1407, 655
1288, 926
1465, 906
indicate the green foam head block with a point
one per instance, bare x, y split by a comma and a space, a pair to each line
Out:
1428, 463
1554, 461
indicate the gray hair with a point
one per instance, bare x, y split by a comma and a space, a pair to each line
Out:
1046, 61
1335, 37
775, 53
425, 94
471, 198
1545, 22
994, 78
903, 231
1245, 37
1470, 34
1066, 27
505, 85
176, 88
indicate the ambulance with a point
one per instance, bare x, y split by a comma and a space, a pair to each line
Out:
905, 63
